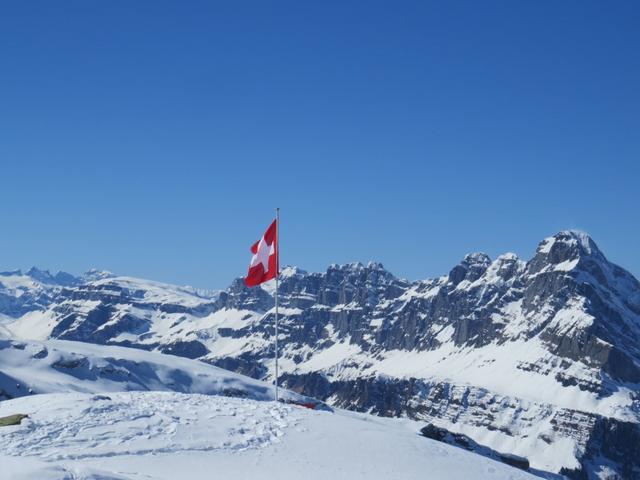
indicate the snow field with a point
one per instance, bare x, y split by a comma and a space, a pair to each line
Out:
166, 435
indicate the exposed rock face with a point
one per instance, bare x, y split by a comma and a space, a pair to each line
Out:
539, 359
463, 441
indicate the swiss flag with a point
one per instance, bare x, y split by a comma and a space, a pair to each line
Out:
264, 263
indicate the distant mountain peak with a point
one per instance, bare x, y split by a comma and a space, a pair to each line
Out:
477, 258
375, 265
567, 248
38, 273
575, 239
291, 271
508, 257
45, 276
357, 266
94, 274
472, 267
10, 273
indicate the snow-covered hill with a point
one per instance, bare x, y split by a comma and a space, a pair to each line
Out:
58, 366
539, 358
169, 436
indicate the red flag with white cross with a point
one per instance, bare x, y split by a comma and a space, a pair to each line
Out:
264, 263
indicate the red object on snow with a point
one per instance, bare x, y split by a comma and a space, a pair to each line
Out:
264, 263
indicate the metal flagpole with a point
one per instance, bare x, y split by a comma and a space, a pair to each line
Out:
277, 275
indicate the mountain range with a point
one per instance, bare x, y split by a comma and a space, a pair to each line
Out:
537, 358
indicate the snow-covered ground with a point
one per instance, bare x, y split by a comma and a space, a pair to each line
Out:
134, 414
169, 436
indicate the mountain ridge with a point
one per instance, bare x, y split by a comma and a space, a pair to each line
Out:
540, 358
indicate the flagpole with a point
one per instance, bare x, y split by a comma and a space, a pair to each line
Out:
277, 275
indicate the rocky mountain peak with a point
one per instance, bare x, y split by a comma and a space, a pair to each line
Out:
60, 278
357, 272
477, 258
41, 275
291, 271
471, 268
506, 266
347, 267
375, 266
568, 245
94, 274
564, 251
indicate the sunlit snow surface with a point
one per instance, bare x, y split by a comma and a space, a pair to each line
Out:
165, 435
58, 366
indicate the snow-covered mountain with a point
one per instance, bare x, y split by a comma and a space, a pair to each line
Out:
539, 358
60, 366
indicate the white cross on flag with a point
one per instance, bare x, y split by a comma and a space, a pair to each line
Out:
264, 263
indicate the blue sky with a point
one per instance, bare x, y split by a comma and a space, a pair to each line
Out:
155, 138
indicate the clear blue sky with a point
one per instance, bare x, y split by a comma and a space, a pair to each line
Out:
154, 138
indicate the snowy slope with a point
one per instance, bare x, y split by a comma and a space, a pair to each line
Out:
168, 436
28, 368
